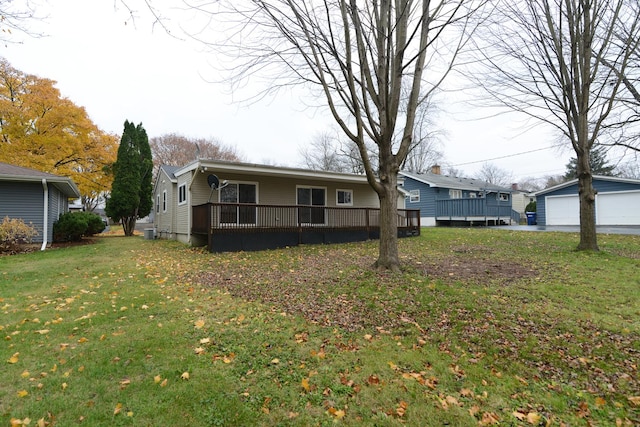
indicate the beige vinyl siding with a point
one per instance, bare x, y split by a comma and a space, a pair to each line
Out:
282, 191
182, 211
165, 221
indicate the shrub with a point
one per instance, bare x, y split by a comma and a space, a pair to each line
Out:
71, 226
531, 207
95, 224
14, 231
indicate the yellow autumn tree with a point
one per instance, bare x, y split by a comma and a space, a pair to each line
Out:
42, 130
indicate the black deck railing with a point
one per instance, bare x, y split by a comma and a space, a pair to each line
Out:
209, 218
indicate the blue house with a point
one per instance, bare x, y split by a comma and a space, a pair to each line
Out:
38, 198
448, 200
617, 202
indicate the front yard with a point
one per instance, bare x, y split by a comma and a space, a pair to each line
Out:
483, 327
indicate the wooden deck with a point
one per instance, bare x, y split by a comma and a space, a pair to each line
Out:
236, 226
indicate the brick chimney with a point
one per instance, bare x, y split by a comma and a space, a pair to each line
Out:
435, 169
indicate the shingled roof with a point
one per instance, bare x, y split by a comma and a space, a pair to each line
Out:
458, 183
19, 174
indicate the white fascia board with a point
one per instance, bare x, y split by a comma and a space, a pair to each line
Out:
287, 172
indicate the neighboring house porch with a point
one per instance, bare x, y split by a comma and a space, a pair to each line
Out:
448, 200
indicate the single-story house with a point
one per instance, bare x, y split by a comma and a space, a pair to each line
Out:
232, 206
38, 198
450, 200
617, 202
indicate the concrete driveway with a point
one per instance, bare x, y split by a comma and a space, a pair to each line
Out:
601, 229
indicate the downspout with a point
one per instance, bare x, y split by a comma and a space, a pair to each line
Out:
189, 207
45, 225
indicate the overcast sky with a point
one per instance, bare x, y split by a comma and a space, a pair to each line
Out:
120, 71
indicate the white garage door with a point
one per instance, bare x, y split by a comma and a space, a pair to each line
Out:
618, 208
563, 210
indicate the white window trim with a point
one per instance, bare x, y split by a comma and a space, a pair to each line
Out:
164, 201
414, 196
184, 201
455, 194
312, 187
350, 192
255, 183
503, 197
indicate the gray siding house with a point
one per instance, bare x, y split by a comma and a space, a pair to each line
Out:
254, 207
38, 198
450, 200
617, 202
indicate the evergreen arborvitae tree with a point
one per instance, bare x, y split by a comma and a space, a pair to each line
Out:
131, 189
597, 162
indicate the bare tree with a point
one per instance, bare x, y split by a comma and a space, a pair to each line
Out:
545, 60
371, 62
495, 175
425, 150
627, 34
177, 150
322, 153
15, 17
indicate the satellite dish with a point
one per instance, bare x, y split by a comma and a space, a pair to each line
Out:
213, 181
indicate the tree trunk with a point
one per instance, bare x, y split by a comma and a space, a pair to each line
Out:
587, 197
388, 257
129, 225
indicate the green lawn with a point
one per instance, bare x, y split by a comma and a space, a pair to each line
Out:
482, 327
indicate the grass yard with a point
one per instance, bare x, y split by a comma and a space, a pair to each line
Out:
483, 327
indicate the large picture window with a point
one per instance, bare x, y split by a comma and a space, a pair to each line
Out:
238, 193
312, 202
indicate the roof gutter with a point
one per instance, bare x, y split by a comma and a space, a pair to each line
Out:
45, 217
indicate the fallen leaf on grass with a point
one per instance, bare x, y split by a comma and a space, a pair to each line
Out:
23, 393
634, 400
489, 418
14, 358
117, 409
533, 418
305, 384
337, 413
198, 324
185, 375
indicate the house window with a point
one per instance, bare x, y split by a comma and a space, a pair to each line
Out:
238, 194
182, 194
312, 202
504, 197
344, 198
158, 204
455, 194
414, 196
473, 195
164, 201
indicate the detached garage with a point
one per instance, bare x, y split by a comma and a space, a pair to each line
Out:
617, 202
